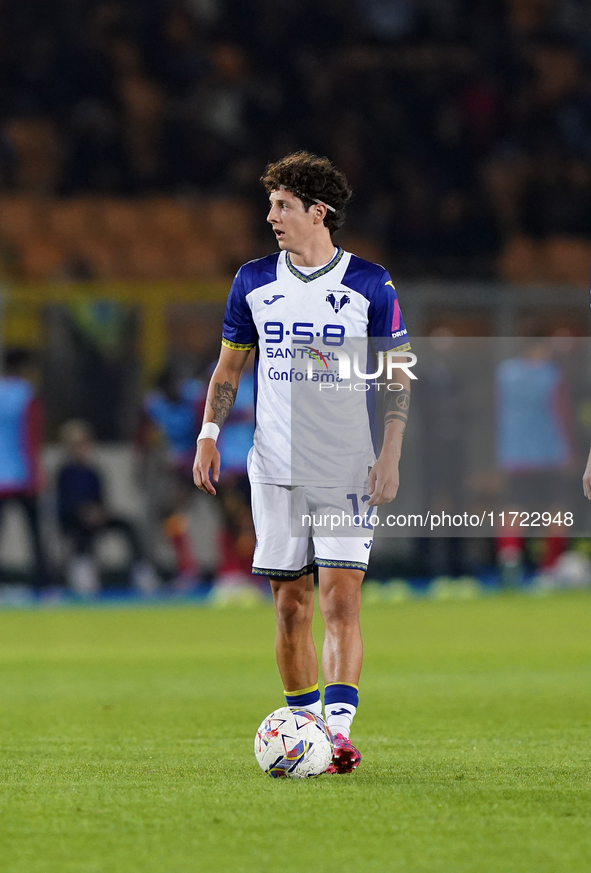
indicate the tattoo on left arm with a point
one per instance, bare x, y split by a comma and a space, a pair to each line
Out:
396, 407
222, 402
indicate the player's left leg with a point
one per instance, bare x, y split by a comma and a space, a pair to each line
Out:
342, 655
340, 603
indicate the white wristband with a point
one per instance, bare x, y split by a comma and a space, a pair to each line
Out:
209, 431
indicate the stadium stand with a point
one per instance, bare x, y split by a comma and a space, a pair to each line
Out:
132, 134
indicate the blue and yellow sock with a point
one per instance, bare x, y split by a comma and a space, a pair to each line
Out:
341, 700
305, 698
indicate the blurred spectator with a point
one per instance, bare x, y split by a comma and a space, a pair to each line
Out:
534, 427
21, 477
534, 449
237, 537
556, 199
172, 417
389, 20
84, 515
174, 408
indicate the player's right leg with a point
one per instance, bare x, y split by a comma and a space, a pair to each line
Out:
294, 645
286, 561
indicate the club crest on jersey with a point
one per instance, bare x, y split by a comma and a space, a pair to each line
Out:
337, 304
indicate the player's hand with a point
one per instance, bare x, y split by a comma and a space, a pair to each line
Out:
587, 479
207, 458
383, 481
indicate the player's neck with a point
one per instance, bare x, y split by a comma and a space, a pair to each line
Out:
315, 253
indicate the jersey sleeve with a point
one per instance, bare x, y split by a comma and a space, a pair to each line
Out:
239, 330
385, 324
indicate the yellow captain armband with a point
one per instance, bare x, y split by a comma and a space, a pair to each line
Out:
404, 348
238, 347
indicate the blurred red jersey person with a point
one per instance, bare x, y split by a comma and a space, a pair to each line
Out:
21, 479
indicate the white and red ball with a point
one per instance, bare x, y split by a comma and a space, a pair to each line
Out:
293, 743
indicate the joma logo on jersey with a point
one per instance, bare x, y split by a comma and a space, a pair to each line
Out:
337, 305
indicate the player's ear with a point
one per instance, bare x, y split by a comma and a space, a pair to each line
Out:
319, 213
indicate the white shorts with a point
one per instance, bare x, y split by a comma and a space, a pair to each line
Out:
321, 514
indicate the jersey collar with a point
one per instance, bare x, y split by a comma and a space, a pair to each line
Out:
321, 272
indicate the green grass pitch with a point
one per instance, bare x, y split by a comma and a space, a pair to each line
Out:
127, 743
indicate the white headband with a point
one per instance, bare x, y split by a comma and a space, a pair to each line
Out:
307, 197
322, 203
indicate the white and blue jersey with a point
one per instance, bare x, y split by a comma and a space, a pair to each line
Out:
276, 307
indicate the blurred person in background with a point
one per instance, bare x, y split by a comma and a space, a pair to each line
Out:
534, 446
21, 435
534, 427
84, 515
171, 416
237, 536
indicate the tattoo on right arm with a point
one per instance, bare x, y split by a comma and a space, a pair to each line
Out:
222, 402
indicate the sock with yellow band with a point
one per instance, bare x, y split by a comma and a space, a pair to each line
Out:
340, 705
305, 698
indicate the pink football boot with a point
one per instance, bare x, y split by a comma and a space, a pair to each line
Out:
345, 758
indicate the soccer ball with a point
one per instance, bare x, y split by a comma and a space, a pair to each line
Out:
293, 742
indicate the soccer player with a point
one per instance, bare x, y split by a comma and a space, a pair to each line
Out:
311, 291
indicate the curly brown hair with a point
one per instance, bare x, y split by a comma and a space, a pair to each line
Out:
310, 177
